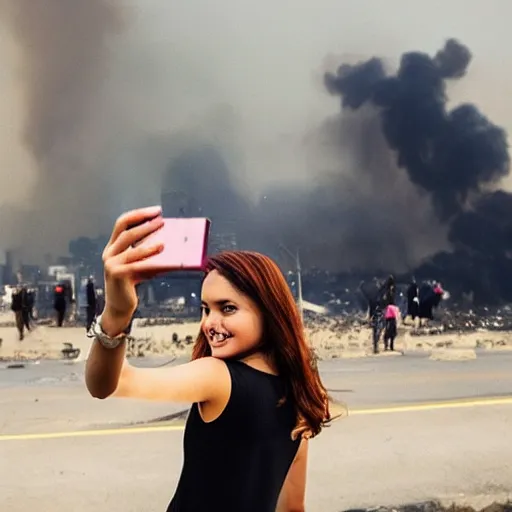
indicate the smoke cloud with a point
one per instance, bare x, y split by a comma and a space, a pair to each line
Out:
62, 59
112, 98
455, 156
450, 154
117, 103
358, 212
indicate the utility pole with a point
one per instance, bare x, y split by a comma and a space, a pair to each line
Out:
298, 270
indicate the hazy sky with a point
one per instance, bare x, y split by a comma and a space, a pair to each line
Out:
271, 50
174, 67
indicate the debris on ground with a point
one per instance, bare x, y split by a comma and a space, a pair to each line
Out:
434, 506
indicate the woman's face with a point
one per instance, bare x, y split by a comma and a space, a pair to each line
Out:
231, 321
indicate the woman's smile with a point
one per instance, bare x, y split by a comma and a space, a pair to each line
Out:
218, 339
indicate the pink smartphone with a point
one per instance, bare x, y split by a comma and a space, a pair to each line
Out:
185, 245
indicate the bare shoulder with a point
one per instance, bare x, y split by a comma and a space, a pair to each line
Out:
202, 380
205, 364
293, 493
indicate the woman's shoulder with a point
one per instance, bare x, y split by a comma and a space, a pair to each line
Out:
253, 394
250, 370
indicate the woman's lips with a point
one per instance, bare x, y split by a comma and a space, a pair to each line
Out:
219, 338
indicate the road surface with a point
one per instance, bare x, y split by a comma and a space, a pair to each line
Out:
417, 430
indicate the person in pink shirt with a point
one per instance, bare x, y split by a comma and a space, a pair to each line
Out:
438, 290
391, 316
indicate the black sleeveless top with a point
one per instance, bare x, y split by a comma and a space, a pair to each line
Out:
238, 462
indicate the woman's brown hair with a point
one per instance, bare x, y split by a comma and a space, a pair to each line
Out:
260, 279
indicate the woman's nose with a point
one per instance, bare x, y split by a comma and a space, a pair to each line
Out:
212, 321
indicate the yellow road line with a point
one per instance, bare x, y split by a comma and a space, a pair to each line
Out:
91, 433
431, 406
428, 406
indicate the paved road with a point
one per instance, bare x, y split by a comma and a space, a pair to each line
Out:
395, 448
415, 378
51, 395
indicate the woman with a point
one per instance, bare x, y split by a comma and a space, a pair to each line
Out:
256, 397
391, 316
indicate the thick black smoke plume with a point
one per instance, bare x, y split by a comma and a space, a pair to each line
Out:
481, 262
454, 155
450, 154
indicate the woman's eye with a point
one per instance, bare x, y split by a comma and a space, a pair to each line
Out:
228, 309
205, 310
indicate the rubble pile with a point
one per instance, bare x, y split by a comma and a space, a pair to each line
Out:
139, 347
160, 320
434, 506
340, 323
24, 356
452, 319
484, 318
143, 346
427, 330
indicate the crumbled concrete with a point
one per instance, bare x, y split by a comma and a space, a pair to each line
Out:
435, 506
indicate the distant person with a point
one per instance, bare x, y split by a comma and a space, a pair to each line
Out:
70, 314
391, 317
377, 297
378, 304
25, 308
388, 291
439, 294
19, 307
31, 302
377, 325
370, 292
413, 301
59, 303
100, 301
430, 298
91, 303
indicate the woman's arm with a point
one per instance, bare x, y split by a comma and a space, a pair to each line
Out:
293, 493
108, 373
103, 366
203, 380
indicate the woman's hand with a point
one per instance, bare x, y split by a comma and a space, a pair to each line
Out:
122, 265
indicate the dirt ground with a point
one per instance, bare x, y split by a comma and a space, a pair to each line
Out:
329, 342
